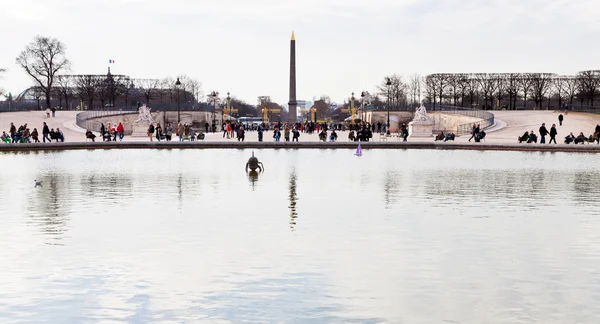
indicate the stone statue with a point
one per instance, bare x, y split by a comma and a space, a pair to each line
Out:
421, 115
254, 164
144, 116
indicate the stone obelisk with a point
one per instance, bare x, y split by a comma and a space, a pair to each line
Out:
292, 104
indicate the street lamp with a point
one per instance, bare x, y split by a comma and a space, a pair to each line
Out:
227, 109
362, 103
388, 83
214, 97
177, 85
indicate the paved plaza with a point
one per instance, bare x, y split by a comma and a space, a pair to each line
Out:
509, 125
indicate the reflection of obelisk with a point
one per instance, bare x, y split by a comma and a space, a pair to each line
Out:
292, 103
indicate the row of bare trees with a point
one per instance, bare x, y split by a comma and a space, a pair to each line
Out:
101, 91
45, 61
512, 90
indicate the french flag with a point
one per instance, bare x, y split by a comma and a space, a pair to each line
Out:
111, 61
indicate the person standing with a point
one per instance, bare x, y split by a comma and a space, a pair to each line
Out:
53, 111
560, 119
206, 127
159, 133
45, 133
180, 131
151, 132
121, 131
286, 132
553, 134
260, 133
543, 133
13, 131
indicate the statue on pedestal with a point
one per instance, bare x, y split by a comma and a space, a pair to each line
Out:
421, 115
144, 115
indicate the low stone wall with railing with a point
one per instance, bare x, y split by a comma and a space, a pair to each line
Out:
484, 118
92, 120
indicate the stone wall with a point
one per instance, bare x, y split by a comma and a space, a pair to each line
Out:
449, 122
197, 118
442, 121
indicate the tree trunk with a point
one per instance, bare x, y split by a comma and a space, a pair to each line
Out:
48, 97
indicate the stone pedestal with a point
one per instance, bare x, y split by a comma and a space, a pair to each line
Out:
140, 130
420, 129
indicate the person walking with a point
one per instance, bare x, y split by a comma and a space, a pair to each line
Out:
560, 119
472, 132
553, 134
543, 133
45, 133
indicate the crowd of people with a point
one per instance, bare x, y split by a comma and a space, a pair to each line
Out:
291, 131
23, 134
531, 137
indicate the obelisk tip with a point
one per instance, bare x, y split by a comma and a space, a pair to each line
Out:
293, 38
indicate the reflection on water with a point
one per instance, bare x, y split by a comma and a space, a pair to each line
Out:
253, 177
293, 199
395, 236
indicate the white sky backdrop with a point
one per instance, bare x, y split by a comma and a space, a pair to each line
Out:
342, 46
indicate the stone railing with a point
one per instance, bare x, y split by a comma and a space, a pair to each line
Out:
484, 118
92, 120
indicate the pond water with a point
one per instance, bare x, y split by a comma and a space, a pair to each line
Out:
322, 236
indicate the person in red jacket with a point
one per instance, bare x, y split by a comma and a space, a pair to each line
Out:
121, 131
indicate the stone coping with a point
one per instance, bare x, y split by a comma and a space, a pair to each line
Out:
580, 148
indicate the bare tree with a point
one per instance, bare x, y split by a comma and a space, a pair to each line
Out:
512, 89
589, 84
439, 82
540, 84
396, 92
414, 88
430, 89
149, 88
487, 85
501, 87
65, 85
454, 87
87, 87
570, 88
525, 85
559, 85
42, 59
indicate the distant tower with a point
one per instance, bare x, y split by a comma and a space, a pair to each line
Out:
292, 104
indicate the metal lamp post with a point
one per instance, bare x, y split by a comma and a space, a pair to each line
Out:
388, 83
352, 109
177, 85
362, 104
227, 109
214, 97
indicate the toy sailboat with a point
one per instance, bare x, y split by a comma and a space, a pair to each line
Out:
358, 151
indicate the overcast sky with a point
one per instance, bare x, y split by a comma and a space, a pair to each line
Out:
342, 46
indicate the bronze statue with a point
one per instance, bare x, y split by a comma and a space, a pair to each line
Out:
254, 164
